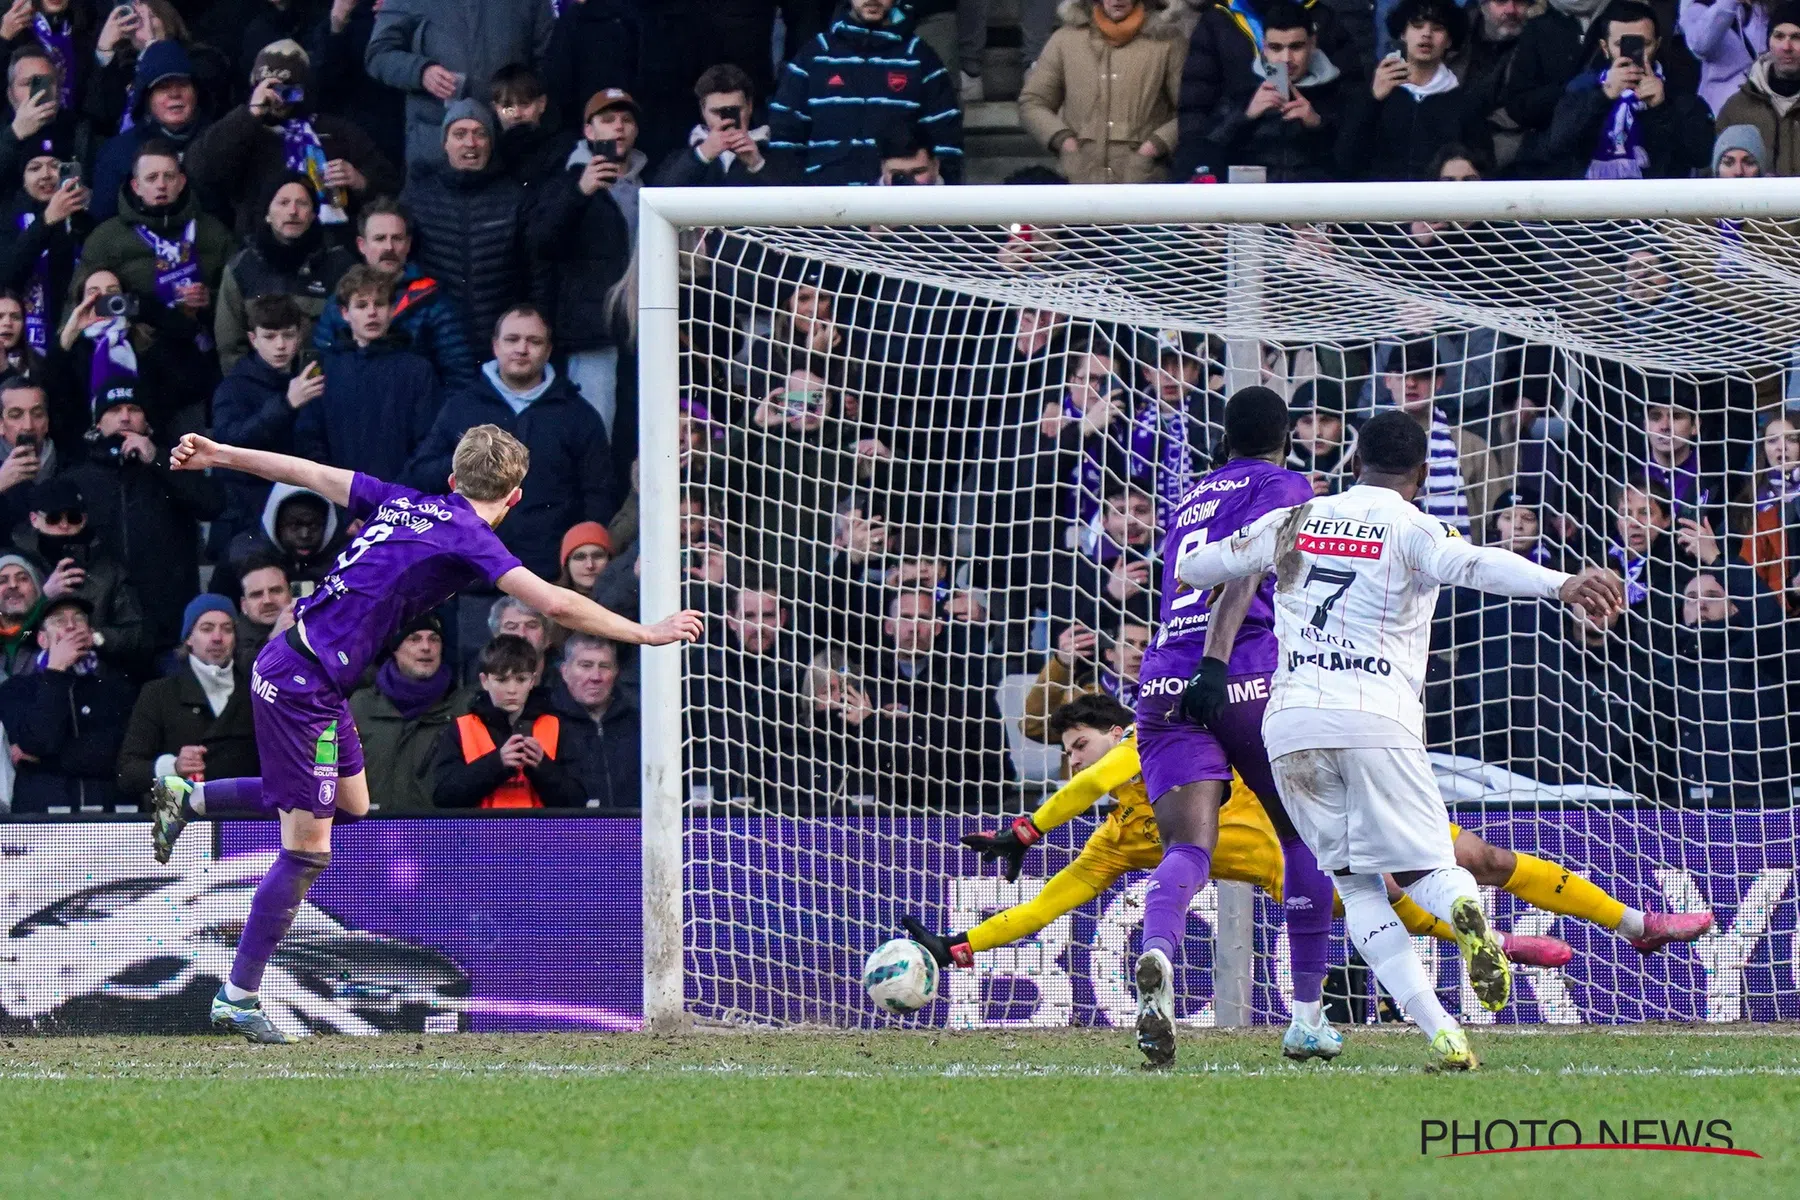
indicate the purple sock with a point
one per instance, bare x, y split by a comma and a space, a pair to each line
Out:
1177, 878
272, 910
1307, 898
241, 797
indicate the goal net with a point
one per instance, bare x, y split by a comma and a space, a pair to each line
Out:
913, 455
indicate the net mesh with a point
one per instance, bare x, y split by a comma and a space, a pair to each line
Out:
925, 470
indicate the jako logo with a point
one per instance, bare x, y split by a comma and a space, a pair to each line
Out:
1455, 1139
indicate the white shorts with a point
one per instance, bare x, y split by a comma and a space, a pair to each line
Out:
1372, 810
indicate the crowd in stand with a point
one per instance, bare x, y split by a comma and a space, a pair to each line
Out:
351, 230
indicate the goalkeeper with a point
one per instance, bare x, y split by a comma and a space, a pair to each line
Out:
1095, 731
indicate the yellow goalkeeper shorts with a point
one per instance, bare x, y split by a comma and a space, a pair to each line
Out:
1248, 850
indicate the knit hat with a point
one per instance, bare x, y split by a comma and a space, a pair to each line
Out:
467, 110
199, 606
285, 62
1787, 13
1324, 396
31, 568
1744, 137
587, 533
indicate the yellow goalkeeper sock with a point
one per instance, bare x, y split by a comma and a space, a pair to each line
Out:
1063, 892
1554, 888
1418, 921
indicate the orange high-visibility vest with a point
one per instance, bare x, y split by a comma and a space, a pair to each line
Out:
517, 791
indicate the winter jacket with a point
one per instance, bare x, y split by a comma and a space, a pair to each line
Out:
1776, 117
429, 320
1288, 150
1110, 99
173, 712
117, 246
1219, 69
243, 158
118, 615
685, 168
610, 762
308, 269
571, 477
473, 38
398, 752
460, 783
377, 406
855, 87
72, 726
588, 241
1397, 138
1677, 134
1484, 65
1727, 39
469, 235
127, 79
21, 249
250, 409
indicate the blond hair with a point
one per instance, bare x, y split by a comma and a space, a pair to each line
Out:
489, 463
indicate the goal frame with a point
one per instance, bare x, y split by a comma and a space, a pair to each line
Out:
663, 213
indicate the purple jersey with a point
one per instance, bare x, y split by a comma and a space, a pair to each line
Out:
1218, 506
414, 552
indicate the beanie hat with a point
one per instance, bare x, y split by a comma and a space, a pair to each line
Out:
587, 533
31, 568
285, 62
468, 110
199, 606
1786, 13
1744, 137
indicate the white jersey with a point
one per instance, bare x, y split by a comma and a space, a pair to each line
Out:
1356, 583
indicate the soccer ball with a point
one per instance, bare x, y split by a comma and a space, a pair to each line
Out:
901, 976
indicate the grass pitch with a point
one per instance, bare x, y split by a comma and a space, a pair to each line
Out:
877, 1115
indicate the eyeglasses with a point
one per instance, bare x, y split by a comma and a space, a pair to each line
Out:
68, 516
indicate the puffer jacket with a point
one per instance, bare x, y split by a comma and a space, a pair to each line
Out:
1111, 99
1777, 118
469, 235
427, 317
116, 246
855, 86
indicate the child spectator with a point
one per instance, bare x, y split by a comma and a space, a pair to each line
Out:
508, 750
259, 401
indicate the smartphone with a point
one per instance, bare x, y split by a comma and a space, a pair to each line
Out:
733, 116
1278, 75
604, 149
127, 6
76, 553
309, 361
67, 171
41, 85
291, 95
25, 441
1631, 46
901, 179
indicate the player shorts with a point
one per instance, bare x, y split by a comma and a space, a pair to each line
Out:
1247, 852
305, 736
1372, 810
1176, 752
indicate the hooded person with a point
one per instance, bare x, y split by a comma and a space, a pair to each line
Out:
279, 132
164, 102
404, 712
298, 531
46, 222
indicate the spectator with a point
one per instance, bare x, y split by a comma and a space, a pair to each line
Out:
610, 767
530, 148
65, 718
749, 677
380, 398
17, 355
298, 531
440, 52
21, 599
1766, 98
1103, 96
278, 135
1728, 723
196, 722
37, 114
947, 694
803, 330
1515, 525
587, 223
60, 541
1739, 153
1726, 38
46, 221
1670, 430
287, 256
165, 106
906, 161
857, 84
268, 598
1456, 487
511, 617
1290, 125
402, 716
258, 403
1484, 62
521, 392
1414, 105
853, 751
1071, 671
469, 222
242, 28
586, 549
1219, 72
1321, 444
62, 32
1625, 121
424, 312
723, 149
160, 245
1118, 568
509, 750
597, 45
153, 354
30, 455
1774, 534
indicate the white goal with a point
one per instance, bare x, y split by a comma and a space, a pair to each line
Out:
909, 448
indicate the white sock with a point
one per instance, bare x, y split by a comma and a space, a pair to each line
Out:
1308, 1012
1631, 925
1440, 888
236, 994
196, 800
1387, 948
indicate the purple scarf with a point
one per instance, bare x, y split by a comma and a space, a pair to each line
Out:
37, 317
175, 261
114, 364
304, 154
87, 664
411, 696
1146, 452
1682, 482
60, 44
1620, 153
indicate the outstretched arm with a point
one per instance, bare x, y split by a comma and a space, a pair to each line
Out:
574, 611
1455, 563
1249, 552
196, 453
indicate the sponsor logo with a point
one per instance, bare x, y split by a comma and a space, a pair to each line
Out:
327, 792
263, 688
1456, 1138
1247, 689
1339, 537
1168, 685
1219, 485
897, 81
1335, 661
1310, 634
835, 81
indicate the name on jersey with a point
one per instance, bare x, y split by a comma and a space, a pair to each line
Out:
418, 521
1199, 514
1340, 537
427, 507
1333, 660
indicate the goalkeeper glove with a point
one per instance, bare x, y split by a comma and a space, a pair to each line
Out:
1006, 845
1204, 697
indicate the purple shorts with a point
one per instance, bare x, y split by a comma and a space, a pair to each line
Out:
304, 734
1175, 752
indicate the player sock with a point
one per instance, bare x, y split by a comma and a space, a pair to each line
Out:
1631, 923
1307, 902
1308, 1012
1555, 888
1180, 875
1438, 889
1418, 922
242, 797
1388, 950
272, 910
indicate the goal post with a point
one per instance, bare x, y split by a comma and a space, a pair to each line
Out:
758, 907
